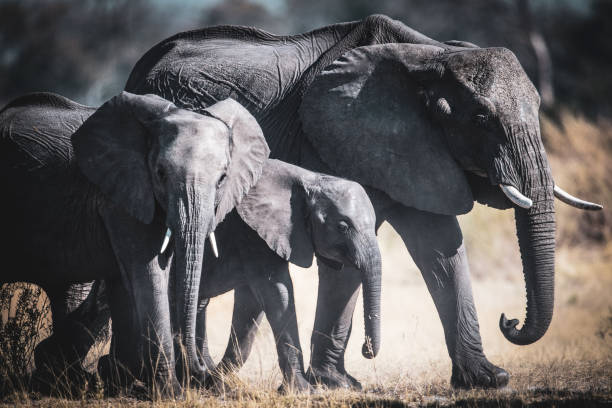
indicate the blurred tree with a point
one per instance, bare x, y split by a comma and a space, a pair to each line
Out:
543, 61
243, 12
85, 49
81, 49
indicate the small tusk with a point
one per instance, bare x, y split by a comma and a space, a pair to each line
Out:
166, 241
574, 201
213, 244
516, 197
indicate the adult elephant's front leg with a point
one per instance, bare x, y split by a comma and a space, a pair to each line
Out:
336, 300
436, 244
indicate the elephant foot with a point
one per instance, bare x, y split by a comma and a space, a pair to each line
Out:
297, 385
332, 378
479, 373
69, 382
117, 379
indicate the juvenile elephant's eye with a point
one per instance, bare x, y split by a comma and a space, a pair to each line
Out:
481, 118
343, 226
161, 174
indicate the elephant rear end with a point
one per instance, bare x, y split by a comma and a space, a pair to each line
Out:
45, 197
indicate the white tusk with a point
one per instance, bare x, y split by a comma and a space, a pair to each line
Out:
574, 201
213, 244
516, 197
166, 241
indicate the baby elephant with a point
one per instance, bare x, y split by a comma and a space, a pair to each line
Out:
289, 215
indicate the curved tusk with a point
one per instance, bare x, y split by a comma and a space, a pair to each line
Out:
574, 201
213, 244
516, 197
166, 241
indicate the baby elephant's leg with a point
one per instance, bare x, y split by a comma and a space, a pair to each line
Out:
275, 291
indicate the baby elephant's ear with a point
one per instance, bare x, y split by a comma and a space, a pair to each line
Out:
276, 209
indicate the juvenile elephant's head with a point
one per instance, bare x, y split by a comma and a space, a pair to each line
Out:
436, 128
147, 155
300, 213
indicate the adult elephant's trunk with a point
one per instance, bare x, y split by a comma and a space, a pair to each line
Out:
193, 219
535, 228
371, 279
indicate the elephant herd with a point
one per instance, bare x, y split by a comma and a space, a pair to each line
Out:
251, 137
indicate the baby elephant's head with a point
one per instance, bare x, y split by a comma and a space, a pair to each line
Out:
300, 213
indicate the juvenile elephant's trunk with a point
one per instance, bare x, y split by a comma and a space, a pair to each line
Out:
191, 232
371, 280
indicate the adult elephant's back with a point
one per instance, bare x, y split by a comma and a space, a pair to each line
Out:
266, 73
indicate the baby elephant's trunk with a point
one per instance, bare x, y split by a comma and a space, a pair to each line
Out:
371, 279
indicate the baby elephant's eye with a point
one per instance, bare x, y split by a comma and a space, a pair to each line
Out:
343, 226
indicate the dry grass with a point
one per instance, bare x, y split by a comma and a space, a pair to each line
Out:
571, 365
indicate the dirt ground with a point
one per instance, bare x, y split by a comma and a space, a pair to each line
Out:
570, 366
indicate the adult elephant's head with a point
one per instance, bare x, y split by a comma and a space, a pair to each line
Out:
436, 128
300, 213
147, 155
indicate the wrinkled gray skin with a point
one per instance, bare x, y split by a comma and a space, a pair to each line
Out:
427, 128
288, 216
91, 192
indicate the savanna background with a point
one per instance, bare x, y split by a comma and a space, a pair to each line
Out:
85, 49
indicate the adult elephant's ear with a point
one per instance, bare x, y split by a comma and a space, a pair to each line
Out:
366, 116
276, 209
248, 150
111, 150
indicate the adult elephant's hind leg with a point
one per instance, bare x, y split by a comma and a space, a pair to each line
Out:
336, 300
78, 318
436, 244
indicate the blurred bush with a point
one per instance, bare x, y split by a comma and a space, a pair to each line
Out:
24, 320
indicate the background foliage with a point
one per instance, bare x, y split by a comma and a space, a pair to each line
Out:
85, 49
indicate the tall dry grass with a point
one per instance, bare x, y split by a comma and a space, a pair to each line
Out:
572, 364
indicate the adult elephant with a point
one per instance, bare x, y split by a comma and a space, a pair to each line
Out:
89, 194
427, 127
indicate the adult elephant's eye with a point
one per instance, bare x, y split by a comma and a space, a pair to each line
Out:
221, 181
343, 226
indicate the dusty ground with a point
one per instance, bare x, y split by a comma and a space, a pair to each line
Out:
570, 366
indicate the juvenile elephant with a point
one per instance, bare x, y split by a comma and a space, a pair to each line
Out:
89, 194
290, 215
426, 127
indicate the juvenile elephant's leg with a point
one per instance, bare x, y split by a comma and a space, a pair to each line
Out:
336, 300
144, 274
275, 291
435, 243
246, 318
114, 367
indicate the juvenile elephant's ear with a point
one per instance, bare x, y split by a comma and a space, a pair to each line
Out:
248, 150
366, 117
276, 209
111, 149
